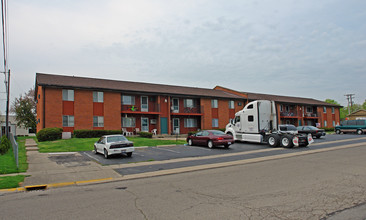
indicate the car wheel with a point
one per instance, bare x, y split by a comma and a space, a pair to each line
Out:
210, 144
129, 154
286, 141
273, 140
106, 156
226, 145
95, 150
359, 131
190, 143
338, 131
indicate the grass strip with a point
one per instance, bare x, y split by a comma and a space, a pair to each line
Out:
7, 182
7, 161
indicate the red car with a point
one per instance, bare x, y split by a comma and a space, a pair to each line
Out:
210, 138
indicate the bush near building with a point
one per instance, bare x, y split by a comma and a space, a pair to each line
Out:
49, 134
146, 134
4, 145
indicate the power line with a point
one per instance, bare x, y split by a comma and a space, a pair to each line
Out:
349, 100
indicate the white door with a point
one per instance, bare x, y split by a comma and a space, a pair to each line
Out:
176, 125
145, 124
175, 105
144, 104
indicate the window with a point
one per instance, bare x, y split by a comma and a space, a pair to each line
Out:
332, 110
325, 109
67, 95
98, 121
250, 106
68, 121
215, 123
281, 108
214, 103
237, 119
239, 104
250, 118
309, 109
325, 123
97, 96
231, 104
128, 122
334, 124
189, 103
128, 100
190, 123
287, 108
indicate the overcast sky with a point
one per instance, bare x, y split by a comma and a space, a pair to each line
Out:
309, 48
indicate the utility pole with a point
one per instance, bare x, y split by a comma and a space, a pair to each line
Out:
349, 100
7, 105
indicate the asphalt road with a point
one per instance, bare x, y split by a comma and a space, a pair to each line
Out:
313, 186
201, 153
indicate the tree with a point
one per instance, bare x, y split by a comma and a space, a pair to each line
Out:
24, 108
331, 101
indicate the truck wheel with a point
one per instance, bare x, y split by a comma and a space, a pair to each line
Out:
273, 140
286, 141
359, 131
338, 131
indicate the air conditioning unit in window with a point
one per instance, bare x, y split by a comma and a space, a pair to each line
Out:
153, 121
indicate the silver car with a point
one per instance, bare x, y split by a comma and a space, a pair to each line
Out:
113, 144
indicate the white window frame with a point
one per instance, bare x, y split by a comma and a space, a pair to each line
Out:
175, 108
98, 97
98, 121
307, 108
67, 95
324, 109
128, 102
325, 123
215, 123
129, 122
214, 103
144, 107
189, 103
334, 124
231, 104
333, 110
68, 121
190, 122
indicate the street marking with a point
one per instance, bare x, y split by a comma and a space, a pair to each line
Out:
202, 148
168, 150
92, 157
62, 153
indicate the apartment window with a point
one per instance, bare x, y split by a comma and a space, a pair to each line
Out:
325, 109
190, 123
214, 103
128, 100
67, 95
287, 108
215, 123
334, 124
309, 109
98, 121
231, 104
128, 122
189, 103
68, 121
281, 108
325, 123
97, 96
332, 110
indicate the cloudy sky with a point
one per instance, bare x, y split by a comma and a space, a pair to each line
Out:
309, 48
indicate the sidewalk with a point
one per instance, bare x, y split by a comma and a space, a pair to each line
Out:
50, 168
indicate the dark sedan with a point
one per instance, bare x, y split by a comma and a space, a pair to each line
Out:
210, 138
314, 131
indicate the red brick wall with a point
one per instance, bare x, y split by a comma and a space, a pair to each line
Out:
206, 119
98, 108
112, 111
224, 115
83, 113
53, 107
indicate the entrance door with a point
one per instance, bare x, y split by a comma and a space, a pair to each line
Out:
145, 124
144, 104
164, 125
176, 126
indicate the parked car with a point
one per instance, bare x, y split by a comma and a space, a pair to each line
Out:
210, 138
314, 131
358, 126
113, 144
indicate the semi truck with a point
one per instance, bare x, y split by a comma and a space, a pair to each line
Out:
257, 122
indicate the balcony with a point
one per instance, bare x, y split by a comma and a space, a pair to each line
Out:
310, 115
289, 114
153, 109
198, 110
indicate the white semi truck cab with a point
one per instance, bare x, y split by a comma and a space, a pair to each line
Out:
257, 122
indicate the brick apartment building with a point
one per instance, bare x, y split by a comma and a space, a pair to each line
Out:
74, 103
297, 111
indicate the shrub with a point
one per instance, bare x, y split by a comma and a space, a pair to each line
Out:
4, 145
85, 133
146, 134
328, 129
49, 134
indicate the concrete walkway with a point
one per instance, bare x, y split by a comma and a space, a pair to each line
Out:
50, 168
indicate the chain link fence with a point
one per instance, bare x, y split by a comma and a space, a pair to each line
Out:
14, 144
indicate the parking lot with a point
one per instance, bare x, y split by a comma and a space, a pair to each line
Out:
145, 154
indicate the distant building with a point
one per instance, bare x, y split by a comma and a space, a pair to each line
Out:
357, 115
13, 128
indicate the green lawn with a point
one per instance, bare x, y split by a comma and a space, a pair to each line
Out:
7, 182
86, 144
7, 161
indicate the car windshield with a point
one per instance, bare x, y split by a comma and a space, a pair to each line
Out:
288, 128
312, 128
217, 132
116, 139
